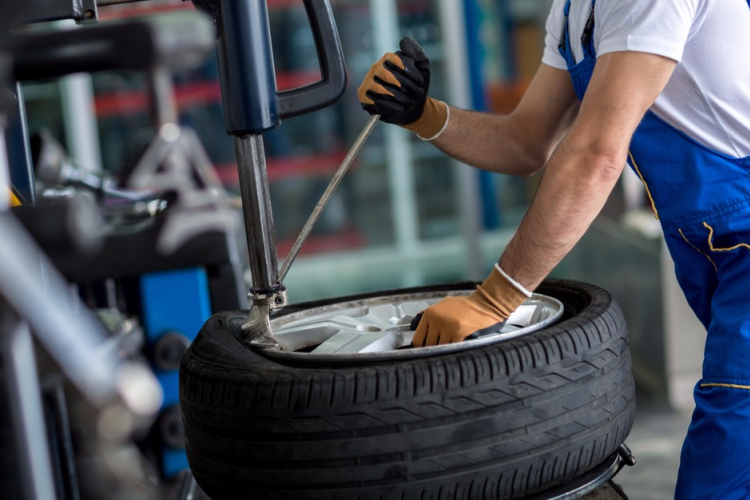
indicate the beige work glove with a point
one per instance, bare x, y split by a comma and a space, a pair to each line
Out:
453, 319
396, 89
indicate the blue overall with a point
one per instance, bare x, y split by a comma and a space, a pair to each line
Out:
702, 198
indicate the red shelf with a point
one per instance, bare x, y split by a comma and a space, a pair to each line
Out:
137, 101
122, 11
288, 167
187, 94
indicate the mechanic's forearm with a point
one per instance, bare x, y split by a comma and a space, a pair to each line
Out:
573, 190
519, 143
584, 169
491, 142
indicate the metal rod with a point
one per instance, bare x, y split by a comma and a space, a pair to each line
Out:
256, 210
327, 194
163, 103
456, 72
79, 120
21, 384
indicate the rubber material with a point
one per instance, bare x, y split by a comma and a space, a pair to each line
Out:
499, 422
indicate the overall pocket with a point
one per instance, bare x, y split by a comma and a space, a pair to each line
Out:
708, 251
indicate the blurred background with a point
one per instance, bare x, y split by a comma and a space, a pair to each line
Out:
406, 214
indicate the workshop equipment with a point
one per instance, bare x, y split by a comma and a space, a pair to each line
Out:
252, 106
161, 256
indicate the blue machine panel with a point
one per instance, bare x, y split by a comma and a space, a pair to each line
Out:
174, 302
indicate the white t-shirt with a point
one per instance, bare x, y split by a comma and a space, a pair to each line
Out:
708, 96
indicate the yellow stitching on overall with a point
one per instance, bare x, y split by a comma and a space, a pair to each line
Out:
699, 250
645, 184
730, 386
714, 249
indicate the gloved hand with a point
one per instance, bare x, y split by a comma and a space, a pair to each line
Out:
455, 318
396, 89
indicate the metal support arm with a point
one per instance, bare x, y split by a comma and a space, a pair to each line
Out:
253, 105
267, 292
256, 201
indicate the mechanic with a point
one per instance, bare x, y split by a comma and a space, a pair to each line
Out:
665, 86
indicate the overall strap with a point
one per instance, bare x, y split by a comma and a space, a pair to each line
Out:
564, 46
587, 38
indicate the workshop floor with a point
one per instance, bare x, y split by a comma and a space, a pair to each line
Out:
656, 441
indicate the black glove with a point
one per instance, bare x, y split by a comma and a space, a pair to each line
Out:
396, 86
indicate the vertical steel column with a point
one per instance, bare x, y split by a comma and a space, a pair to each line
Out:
26, 410
256, 208
454, 40
399, 153
163, 102
79, 119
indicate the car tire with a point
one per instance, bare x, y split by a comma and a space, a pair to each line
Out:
502, 421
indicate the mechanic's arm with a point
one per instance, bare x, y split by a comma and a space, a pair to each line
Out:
518, 144
577, 181
583, 171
